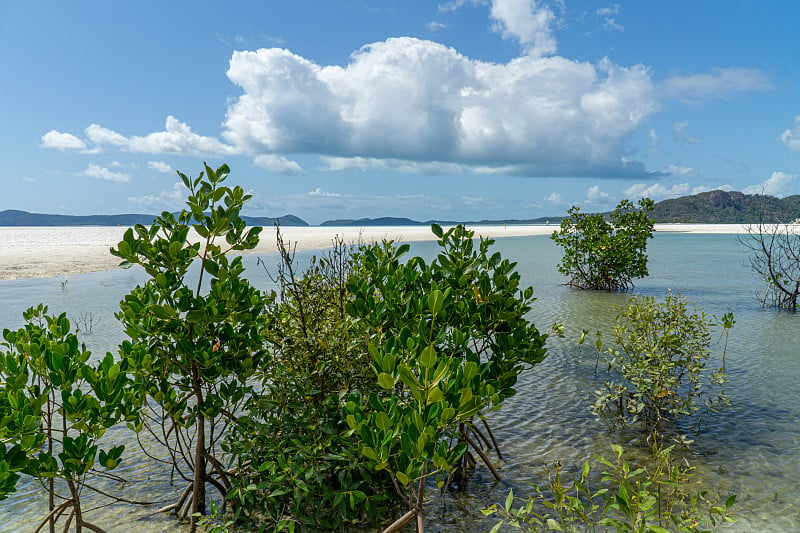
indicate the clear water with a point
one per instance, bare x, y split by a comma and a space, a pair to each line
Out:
752, 449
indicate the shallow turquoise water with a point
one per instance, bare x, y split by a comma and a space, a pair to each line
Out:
751, 449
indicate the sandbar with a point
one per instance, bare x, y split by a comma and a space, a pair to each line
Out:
37, 252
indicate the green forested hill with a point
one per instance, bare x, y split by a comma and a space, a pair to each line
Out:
723, 207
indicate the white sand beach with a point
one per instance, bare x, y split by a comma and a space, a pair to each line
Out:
35, 252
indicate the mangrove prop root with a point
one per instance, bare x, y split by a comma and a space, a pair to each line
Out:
483, 439
55, 514
181, 500
184, 512
494, 440
483, 456
167, 508
93, 527
420, 523
69, 521
401, 522
470, 459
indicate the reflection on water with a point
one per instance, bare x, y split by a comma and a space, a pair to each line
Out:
750, 449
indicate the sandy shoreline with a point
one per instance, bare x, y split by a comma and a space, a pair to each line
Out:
36, 252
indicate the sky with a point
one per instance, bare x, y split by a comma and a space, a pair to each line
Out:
449, 110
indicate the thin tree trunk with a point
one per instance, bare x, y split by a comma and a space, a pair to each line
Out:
199, 481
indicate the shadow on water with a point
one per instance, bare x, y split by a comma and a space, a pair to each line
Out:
751, 449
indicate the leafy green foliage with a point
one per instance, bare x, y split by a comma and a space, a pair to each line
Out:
194, 338
660, 359
605, 254
54, 408
658, 499
296, 462
447, 341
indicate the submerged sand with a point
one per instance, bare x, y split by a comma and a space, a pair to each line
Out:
35, 252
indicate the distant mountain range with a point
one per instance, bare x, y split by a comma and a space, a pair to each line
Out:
399, 221
714, 207
12, 217
381, 221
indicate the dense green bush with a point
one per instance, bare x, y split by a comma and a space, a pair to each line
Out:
447, 341
296, 462
376, 365
605, 254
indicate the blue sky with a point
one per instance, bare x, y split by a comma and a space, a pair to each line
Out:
462, 109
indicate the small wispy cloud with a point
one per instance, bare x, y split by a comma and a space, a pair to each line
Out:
102, 173
791, 137
718, 83
679, 133
166, 199
608, 16
318, 192
680, 171
160, 166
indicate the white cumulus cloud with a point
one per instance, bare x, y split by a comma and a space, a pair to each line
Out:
791, 137
779, 184
413, 100
595, 195
62, 141
102, 173
160, 166
658, 192
104, 136
278, 164
528, 21
177, 138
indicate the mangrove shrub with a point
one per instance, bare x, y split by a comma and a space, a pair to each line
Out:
194, 328
607, 254
55, 407
659, 364
296, 462
447, 341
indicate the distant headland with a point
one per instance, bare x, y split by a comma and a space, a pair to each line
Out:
13, 217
